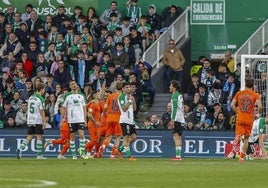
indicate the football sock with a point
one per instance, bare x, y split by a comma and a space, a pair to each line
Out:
113, 150
23, 144
72, 147
121, 148
127, 151
178, 151
65, 148
82, 145
235, 143
39, 147
242, 154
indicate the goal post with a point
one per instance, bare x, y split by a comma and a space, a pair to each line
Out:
256, 66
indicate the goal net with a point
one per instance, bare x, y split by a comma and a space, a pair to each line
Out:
256, 66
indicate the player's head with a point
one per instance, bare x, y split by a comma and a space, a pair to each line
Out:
249, 82
174, 85
40, 87
126, 87
73, 85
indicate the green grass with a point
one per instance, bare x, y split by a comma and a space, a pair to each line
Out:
144, 172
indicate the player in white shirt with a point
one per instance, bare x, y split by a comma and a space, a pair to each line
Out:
258, 135
35, 121
127, 106
75, 105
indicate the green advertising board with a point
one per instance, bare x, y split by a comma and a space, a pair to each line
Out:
46, 7
207, 12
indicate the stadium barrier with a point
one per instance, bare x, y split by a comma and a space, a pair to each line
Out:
149, 143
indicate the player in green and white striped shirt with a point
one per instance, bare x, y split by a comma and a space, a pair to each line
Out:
257, 135
35, 121
177, 117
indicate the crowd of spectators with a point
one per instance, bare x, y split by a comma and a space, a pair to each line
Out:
94, 49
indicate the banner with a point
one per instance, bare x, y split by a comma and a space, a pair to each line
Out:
149, 143
207, 12
46, 7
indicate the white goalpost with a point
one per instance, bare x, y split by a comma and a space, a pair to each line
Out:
256, 66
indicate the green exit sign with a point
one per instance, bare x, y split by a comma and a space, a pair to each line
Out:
207, 12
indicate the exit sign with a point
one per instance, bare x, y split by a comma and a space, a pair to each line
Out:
207, 12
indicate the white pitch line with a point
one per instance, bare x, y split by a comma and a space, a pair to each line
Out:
32, 183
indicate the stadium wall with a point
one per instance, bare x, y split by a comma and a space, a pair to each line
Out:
149, 143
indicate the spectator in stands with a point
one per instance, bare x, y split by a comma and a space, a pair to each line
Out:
112, 24
3, 81
193, 87
10, 14
62, 75
150, 38
154, 20
111, 74
91, 12
229, 89
2, 28
166, 116
23, 34
32, 51
170, 16
7, 114
1, 101
51, 53
16, 101
147, 124
100, 82
77, 13
26, 16
81, 66
7, 31
143, 27
174, 60
9, 91
20, 84
11, 45
143, 71
118, 35
80, 24
17, 21
120, 57
34, 22
223, 73
105, 16
8, 63
130, 50
217, 109
15, 73
133, 11
156, 122
134, 79
203, 93
50, 84
58, 19
52, 34
199, 115
136, 42
202, 73
96, 33
133, 92
27, 64
211, 81
108, 46
61, 45
47, 23
213, 98
25, 94
50, 106
41, 67
125, 26
21, 115
229, 61
221, 122
187, 113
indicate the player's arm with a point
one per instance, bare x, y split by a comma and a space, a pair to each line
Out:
85, 114
43, 116
233, 105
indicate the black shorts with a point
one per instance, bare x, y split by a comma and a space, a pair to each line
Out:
128, 129
35, 129
74, 127
251, 147
177, 128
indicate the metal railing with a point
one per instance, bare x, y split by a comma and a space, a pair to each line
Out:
255, 44
178, 30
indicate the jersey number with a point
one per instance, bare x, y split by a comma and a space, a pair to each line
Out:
245, 105
32, 108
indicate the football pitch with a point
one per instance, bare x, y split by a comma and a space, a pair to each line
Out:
145, 172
